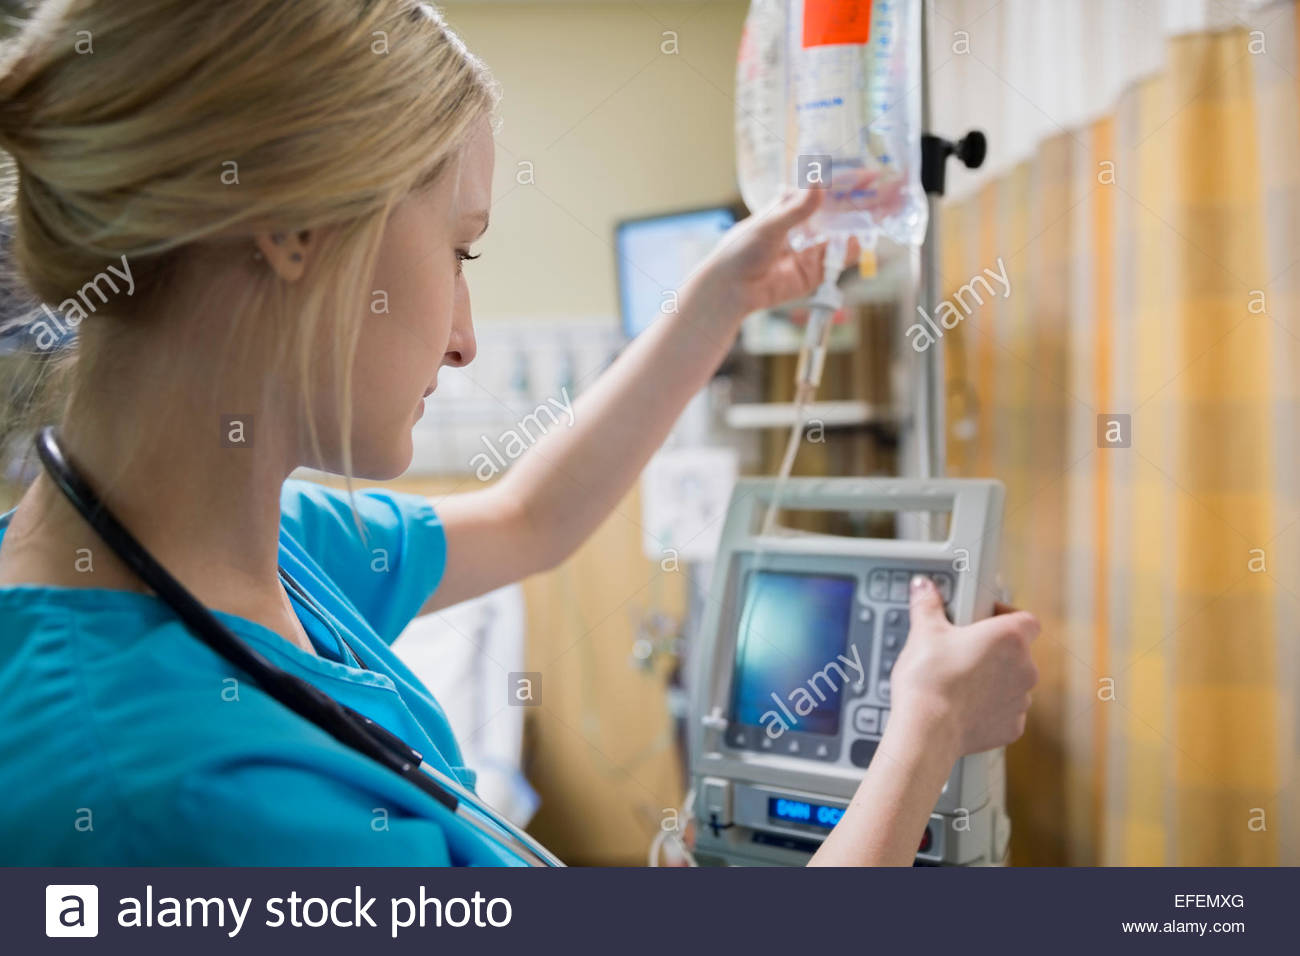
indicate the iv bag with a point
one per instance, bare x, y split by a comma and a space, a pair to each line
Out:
828, 95
762, 121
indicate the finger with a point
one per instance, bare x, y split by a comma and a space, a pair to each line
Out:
1000, 608
852, 252
793, 209
809, 264
1021, 623
927, 605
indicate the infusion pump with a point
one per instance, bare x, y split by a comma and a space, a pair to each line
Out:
791, 669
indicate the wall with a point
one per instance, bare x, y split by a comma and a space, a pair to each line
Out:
613, 128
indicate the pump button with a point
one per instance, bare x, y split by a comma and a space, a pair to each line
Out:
866, 720
862, 751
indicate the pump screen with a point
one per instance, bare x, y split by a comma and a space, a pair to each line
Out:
790, 644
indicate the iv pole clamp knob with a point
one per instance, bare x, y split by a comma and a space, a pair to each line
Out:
935, 150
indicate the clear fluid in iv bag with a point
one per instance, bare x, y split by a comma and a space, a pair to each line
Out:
835, 81
763, 126
853, 90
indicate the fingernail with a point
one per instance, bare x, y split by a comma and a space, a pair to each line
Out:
920, 583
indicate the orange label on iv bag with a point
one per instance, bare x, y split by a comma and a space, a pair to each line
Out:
831, 22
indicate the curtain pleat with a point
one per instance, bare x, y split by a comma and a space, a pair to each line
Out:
1152, 262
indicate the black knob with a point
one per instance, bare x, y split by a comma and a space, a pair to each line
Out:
935, 150
972, 148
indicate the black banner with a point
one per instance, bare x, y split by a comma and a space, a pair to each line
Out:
661, 911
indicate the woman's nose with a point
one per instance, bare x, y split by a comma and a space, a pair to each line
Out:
461, 353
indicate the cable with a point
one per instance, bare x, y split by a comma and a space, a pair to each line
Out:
663, 836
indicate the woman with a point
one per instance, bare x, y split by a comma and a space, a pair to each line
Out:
276, 199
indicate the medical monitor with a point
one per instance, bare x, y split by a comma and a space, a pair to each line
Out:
656, 254
792, 670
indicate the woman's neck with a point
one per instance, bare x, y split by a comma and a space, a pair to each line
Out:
206, 508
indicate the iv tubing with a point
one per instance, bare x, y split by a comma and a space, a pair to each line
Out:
826, 302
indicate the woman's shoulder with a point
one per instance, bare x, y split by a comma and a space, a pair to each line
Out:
311, 511
121, 735
83, 671
386, 558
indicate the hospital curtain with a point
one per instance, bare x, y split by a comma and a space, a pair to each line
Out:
1154, 264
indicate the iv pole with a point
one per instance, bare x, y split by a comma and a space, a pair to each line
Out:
928, 406
929, 392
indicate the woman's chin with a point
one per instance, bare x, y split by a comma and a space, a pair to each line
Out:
396, 466
386, 463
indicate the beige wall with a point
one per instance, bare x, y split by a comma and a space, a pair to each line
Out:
613, 127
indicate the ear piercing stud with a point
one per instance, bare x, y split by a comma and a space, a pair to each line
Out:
278, 238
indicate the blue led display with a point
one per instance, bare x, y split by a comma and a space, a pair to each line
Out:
785, 810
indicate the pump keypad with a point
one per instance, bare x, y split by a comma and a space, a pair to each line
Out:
893, 586
892, 636
890, 586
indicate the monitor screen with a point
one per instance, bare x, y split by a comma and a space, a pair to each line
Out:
655, 256
792, 632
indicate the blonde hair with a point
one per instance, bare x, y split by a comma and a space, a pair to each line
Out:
167, 131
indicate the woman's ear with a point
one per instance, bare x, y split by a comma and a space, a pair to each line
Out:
285, 252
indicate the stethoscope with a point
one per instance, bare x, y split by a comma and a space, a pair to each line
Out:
346, 725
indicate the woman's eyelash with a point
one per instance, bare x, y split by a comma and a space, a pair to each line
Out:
462, 257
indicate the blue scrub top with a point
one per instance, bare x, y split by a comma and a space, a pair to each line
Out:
125, 741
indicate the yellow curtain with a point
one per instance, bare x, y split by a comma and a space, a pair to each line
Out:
1152, 260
